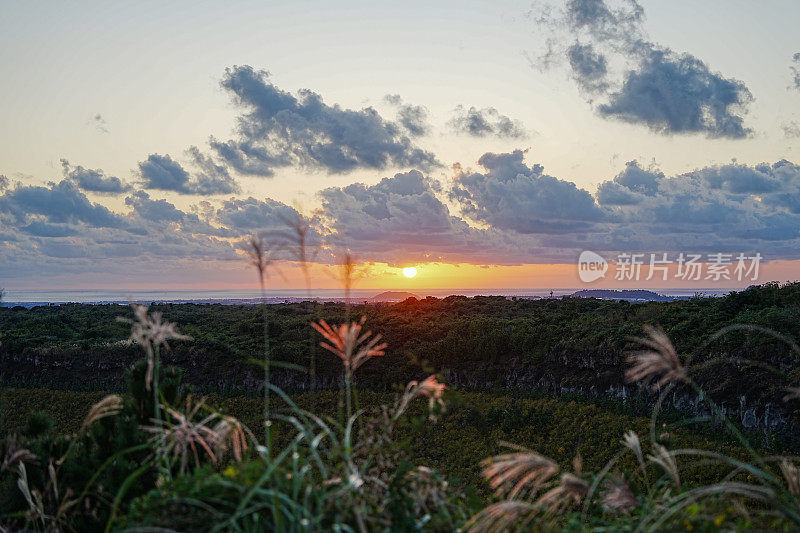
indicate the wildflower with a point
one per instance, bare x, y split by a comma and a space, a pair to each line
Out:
618, 496
151, 332
15, 453
108, 406
662, 360
518, 472
349, 344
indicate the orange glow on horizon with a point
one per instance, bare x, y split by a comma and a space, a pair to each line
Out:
234, 275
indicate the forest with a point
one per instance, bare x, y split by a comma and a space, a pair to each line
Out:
550, 375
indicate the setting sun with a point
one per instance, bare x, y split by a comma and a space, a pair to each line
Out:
410, 272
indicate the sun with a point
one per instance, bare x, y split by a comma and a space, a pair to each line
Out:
410, 272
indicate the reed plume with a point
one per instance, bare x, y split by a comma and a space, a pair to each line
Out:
518, 473
15, 453
660, 365
618, 496
111, 405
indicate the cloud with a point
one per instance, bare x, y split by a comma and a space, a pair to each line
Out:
99, 123
161, 172
40, 228
726, 208
630, 187
251, 215
485, 122
588, 67
795, 68
58, 202
3, 183
93, 180
279, 129
160, 212
414, 118
510, 195
678, 94
211, 178
401, 218
668, 92
791, 130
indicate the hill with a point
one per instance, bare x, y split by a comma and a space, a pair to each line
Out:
393, 296
637, 295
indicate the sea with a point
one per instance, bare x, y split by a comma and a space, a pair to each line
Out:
31, 298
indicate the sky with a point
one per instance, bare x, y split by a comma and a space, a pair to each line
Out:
486, 143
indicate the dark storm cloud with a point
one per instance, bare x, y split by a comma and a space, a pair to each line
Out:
161, 172
93, 180
669, 92
279, 129
485, 122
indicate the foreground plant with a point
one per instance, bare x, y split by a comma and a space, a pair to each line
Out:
51, 504
353, 347
331, 475
766, 487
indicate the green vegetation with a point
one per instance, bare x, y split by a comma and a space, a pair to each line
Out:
362, 453
483, 343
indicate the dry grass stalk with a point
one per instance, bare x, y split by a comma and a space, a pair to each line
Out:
231, 435
259, 257
151, 331
791, 473
15, 453
618, 496
569, 493
431, 388
661, 364
521, 472
666, 461
182, 435
503, 516
111, 405
349, 344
